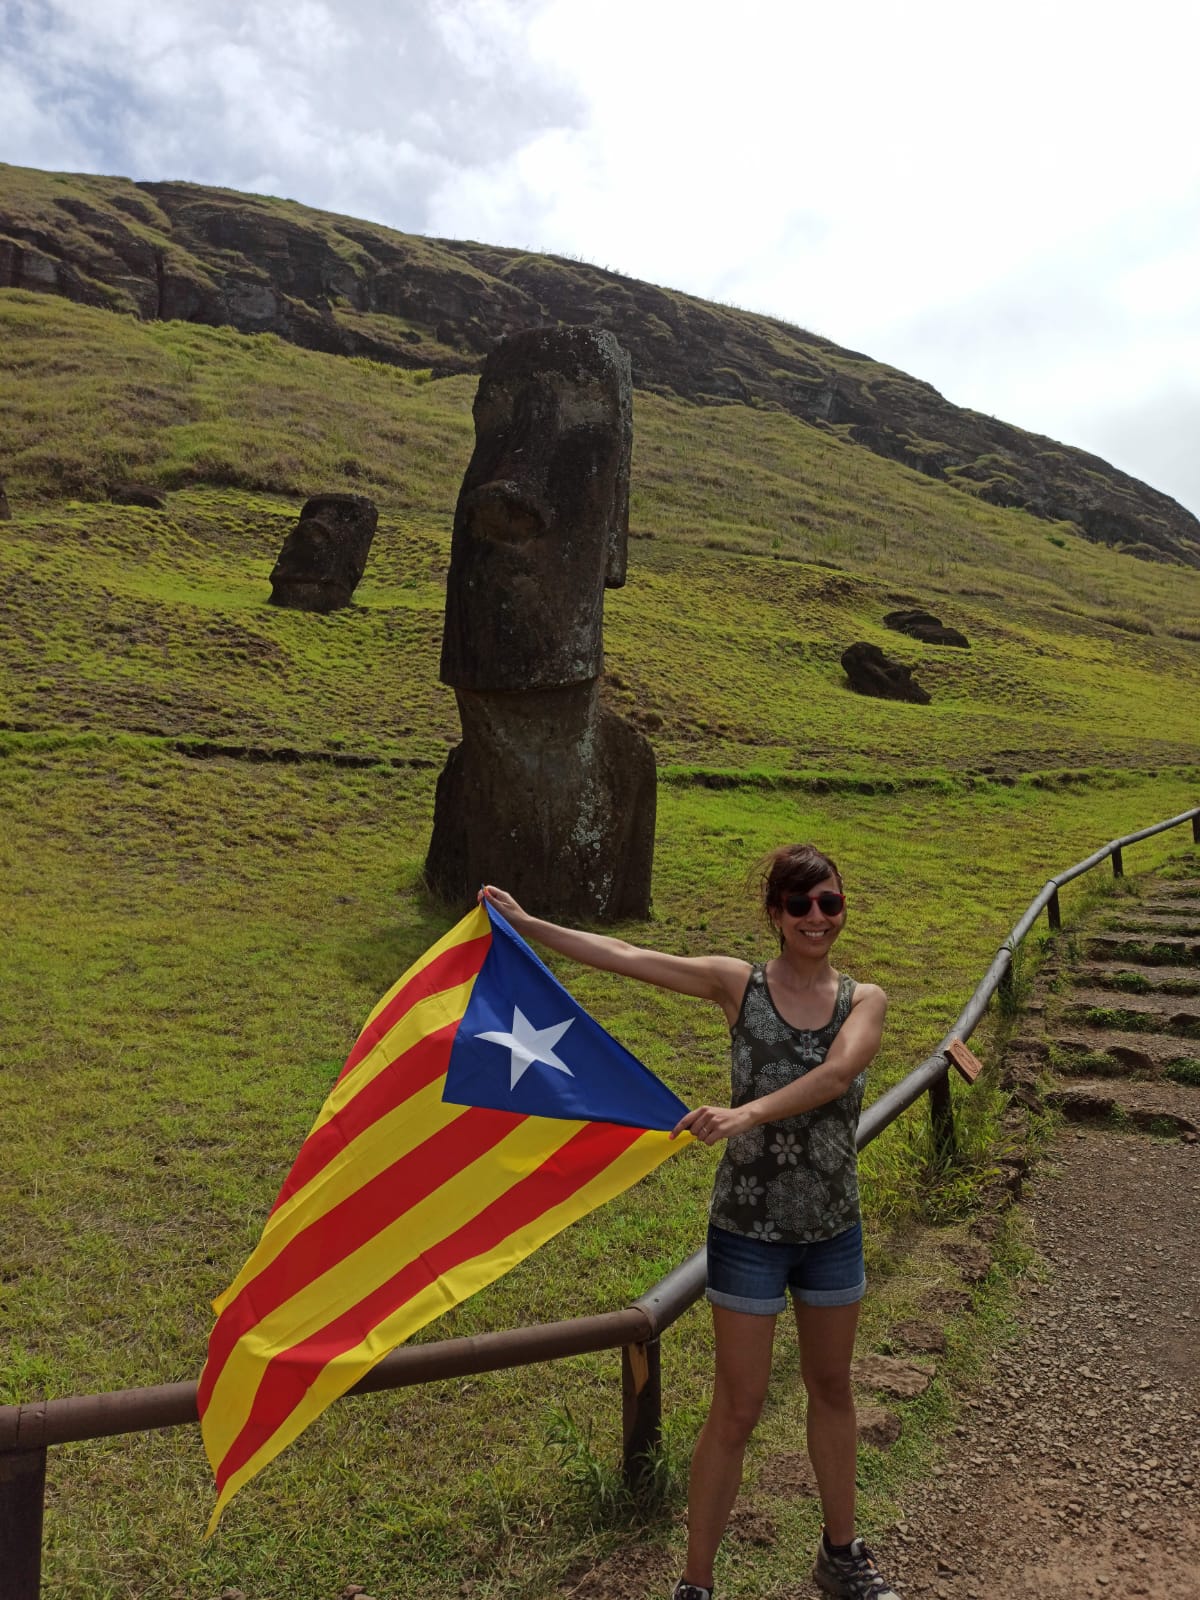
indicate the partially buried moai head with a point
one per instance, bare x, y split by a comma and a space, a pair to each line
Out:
542, 520
325, 554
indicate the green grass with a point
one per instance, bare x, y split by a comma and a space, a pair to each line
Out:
193, 938
195, 944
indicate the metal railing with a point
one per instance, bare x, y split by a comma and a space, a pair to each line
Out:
28, 1431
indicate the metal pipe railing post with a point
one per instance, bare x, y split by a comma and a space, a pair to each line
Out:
22, 1497
641, 1412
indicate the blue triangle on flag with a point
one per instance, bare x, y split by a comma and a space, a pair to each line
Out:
525, 1045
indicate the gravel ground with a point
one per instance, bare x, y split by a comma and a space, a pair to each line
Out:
1075, 1471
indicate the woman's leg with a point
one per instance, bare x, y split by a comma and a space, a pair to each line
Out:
826, 1348
743, 1342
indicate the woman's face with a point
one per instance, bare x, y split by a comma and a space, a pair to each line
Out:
809, 929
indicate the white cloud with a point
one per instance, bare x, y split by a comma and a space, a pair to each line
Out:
1005, 202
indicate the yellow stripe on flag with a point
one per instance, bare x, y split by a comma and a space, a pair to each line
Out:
376, 1148
467, 1193
474, 925
454, 1286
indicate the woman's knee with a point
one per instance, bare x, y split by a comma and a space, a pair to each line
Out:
830, 1388
733, 1416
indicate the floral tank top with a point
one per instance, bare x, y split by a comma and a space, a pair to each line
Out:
794, 1180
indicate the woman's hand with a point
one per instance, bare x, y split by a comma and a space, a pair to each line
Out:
712, 1123
502, 900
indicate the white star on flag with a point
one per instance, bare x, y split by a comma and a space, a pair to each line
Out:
529, 1044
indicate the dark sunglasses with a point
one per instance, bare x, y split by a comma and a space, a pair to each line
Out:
828, 903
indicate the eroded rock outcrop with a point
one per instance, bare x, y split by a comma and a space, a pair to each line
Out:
138, 494
871, 672
923, 625
324, 556
549, 793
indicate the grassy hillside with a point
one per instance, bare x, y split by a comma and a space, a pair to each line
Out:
195, 931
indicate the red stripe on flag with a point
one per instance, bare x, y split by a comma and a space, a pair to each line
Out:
289, 1375
452, 967
346, 1227
414, 1069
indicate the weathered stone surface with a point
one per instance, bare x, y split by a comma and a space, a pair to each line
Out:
324, 556
878, 1426
138, 494
551, 796
872, 673
890, 1375
549, 793
923, 1338
542, 521
925, 626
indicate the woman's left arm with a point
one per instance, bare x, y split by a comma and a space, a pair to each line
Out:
854, 1048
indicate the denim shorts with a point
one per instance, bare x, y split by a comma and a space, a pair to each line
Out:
754, 1274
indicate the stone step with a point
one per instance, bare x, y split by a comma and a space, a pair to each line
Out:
1161, 950
1162, 1108
1111, 1053
1185, 924
1174, 905
1141, 1013
1120, 976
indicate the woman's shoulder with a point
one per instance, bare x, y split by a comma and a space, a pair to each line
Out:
864, 993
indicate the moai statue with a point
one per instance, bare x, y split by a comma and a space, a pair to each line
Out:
325, 554
549, 794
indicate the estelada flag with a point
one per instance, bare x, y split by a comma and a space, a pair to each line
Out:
480, 1111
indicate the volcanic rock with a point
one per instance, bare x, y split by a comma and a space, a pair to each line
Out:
872, 673
324, 556
138, 494
923, 625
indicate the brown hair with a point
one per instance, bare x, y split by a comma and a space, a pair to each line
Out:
793, 869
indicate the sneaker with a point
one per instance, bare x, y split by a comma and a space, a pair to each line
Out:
854, 1576
690, 1591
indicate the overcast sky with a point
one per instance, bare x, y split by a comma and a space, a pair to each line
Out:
1002, 200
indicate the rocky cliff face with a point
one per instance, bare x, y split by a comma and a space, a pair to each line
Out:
177, 250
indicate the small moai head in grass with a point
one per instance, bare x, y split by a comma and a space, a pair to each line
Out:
325, 554
542, 521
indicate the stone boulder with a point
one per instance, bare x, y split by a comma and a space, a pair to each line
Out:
923, 625
325, 554
549, 794
138, 494
872, 673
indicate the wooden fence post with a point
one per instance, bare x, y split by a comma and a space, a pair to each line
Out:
1196, 830
22, 1495
641, 1412
1054, 912
941, 1117
1118, 863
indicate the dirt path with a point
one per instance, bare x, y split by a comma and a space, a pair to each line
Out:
1076, 1471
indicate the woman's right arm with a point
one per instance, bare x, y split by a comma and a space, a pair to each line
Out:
721, 979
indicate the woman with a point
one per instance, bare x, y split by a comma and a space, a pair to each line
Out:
785, 1211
